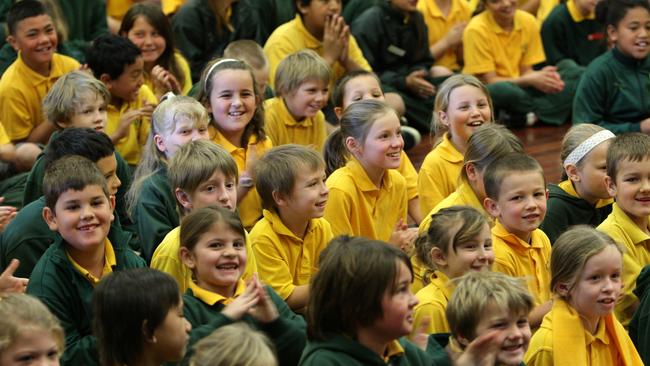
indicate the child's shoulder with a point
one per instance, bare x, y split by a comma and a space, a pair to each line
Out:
145, 93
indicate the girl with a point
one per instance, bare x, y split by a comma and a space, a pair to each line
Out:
213, 248
446, 20
139, 319
367, 196
462, 105
458, 240
176, 121
165, 69
234, 344
29, 333
599, 98
581, 198
581, 329
229, 92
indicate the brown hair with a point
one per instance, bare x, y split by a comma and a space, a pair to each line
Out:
70, 172
443, 96
199, 221
630, 146
487, 144
505, 166
298, 68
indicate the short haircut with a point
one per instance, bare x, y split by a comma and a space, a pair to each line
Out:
499, 169
248, 51
86, 142
122, 303
298, 68
21, 10
199, 221
70, 172
277, 170
234, 344
110, 54
475, 291
70, 93
338, 94
488, 143
346, 293
630, 146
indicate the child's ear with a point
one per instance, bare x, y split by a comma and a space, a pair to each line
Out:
612, 34
183, 198
187, 257
352, 144
472, 172
106, 79
50, 218
148, 336
562, 289
160, 142
12, 42
611, 186
279, 199
442, 117
438, 257
492, 207
572, 173
338, 111
111, 202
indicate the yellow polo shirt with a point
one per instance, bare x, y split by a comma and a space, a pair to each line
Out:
517, 258
282, 128
166, 258
285, 260
211, 298
4, 138
171, 6
438, 26
250, 207
624, 231
575, 13
439, 174
117, 8
433, 298
357, 207
463, 196
131, 145
407, 170
487, 47
184, 68
545, 8
109, 262
22, 91
292, 37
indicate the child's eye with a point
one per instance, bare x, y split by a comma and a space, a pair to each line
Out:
239, 244
210, 188
540, 194
230, 185
72, 207
522, 322
215, 245
515, 198
594, 278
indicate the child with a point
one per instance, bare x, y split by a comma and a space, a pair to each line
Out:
29, 333
302, 86
10, 283
234, 344
165, 69
445, 21
462, 105
213, 247
251, 53
582, 197
581, 328
229, 92
118, 63
599, 98
79, 208
628, 181
457, 241
288, 240
367, 196
201, 173
516, 196
139, 318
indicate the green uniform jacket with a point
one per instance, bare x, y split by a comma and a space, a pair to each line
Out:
639, 327
564, 210
614, 92
68, 295
262, 17
288, 332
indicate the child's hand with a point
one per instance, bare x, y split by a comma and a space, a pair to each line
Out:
547, 80
147, 109
264, 311
345, 45
455, 34
9, 283
332, 47
482, 351
421, 337
242, 304
126, 119
7, 213
418, 85
403, 236
164, 81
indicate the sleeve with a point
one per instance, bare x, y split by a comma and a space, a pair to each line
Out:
477, 53
436, 315
554, 40
429, 188
338, 211
626, 303
410, 175
288, 332
542, 356
355, 53
535, 52
152, 221
169, 263
4, 138
273, 268
15, 114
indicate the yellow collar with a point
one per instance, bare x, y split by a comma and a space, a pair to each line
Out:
500, 232
496, 28
288, 119
567, 186
393, 349
576, 15
219, 139
441, 281
449, 151
601, 334
361, 177
281, 229
109, 263
311, 41
636, 234
212, 298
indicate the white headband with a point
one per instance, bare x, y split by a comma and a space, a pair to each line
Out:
586, 146
207, 76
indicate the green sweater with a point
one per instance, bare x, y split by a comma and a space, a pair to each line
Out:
614, 92
68, 295
639, 327
288, 332
564, 210
262, 17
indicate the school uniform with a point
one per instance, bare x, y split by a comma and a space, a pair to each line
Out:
639, 327
67, 289
407, 170
117, 8
463, 196
563, 340
544, 9
357, 207
184, 68
203, 308
439, 174
22, 91
624, 231
262, 17
282, 128
565, 208
433, 300
285, 260
169, 7
516, 258
613, 93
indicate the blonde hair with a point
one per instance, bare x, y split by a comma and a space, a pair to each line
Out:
573, 138
248, 51
443, 96
572, 250
19, 312
298, 68
234, 345
489, 143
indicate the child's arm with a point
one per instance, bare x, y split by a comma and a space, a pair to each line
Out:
7, 213
537, 314
128, 118
403, 236
9, 283
453, 38
41, 132
546, 80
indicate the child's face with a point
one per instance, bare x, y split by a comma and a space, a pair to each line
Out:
108, 166
186, 130
397, 307
632, 189
36, 39
127, 86
503, 11
360, 88
308, 99
586, 7
232, 100
315, 14
90, 113
591, 174
172, 335
309, 195
147, 38
598, 286
468, 110
474, 255
514, 332
31, 347
383, 146
405, 6
632, 32
219, 190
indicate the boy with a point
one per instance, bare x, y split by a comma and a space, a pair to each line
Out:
516, 196
294, 116
288, 240
118, 63
628, 181
251, 53
201, 173
77, 205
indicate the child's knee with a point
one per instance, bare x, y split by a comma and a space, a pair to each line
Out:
26, 155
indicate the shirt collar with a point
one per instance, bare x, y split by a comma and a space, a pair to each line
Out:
393, 349
601, 334
576, 15
567, 186
497, 28
280, 228
288, 117
441, 281
500, 232
212, 298
109, 263
310, 40
219, 139
363, 181
36, 78
449, 151
636, 234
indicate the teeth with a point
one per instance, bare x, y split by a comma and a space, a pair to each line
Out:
227, 266
236, 113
